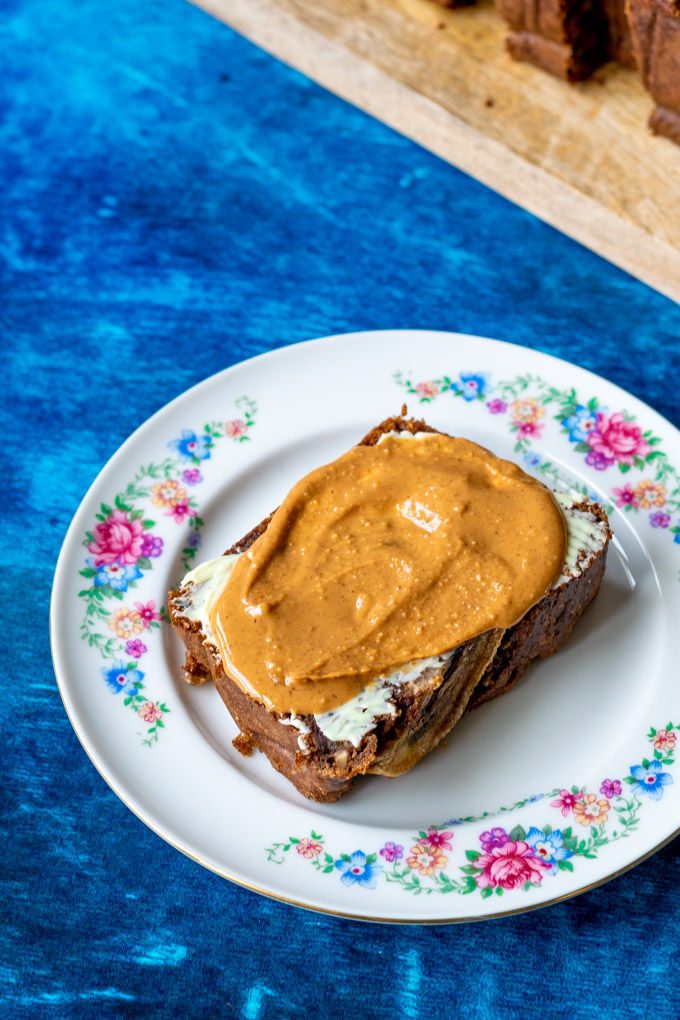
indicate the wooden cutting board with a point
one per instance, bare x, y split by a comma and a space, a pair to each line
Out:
579, 157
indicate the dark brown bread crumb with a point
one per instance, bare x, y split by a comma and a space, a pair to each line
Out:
244, 745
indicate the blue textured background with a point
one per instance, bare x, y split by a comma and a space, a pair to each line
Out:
173, 201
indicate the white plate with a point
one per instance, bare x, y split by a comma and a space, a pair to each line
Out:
585, 721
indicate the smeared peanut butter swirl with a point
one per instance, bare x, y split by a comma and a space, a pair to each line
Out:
391, 553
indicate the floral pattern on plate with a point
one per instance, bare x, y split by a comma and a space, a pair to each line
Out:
123, 546
607, 439
605, 668
505, 861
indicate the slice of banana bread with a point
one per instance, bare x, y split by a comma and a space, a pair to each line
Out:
397, 719
655, 25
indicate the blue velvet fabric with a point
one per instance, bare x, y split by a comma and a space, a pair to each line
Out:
173, 201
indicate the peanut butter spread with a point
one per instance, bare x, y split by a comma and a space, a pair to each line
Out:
393, 552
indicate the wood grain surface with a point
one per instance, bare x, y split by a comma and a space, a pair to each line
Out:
580, 157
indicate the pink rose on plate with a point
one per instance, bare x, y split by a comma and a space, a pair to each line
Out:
117, 538
510, 866
617, 440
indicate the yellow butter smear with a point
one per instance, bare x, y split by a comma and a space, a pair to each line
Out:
393, 552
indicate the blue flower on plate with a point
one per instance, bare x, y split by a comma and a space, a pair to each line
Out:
191, 446
117, 575
581, 422
119, 677
549, 848
650, 780
471, 386
358, 870
532, 458
194, 540
677, 538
